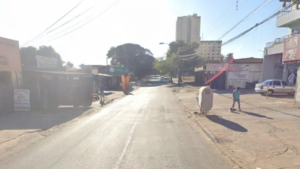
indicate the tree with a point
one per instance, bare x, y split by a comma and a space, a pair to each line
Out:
28, 56
181, 48
29, 53
135, 58
69, 64
228, 57
167, 66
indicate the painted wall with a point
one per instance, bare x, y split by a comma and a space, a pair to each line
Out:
238, 74
269, 65
243, 73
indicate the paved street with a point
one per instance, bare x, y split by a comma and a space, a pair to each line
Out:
148, 129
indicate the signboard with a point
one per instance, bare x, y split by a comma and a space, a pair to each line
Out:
242, 75
231, 67
291, 50
117, 70
215, 66
9, 55
44, 62
297, 87
21, 100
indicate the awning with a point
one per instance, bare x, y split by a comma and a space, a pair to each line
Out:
200, 69
106, 75
58, 72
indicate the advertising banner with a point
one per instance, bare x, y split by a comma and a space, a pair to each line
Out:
44, 62
21, 100
291, 50
243, 75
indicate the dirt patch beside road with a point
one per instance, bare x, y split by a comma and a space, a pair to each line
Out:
265, 134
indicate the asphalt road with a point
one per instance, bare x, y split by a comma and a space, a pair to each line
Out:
148, 129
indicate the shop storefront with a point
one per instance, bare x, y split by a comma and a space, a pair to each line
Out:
291, 59
10, 72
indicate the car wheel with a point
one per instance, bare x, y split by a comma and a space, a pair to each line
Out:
263, 94
271, 92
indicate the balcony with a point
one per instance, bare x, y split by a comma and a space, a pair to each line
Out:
289, 18
276, 46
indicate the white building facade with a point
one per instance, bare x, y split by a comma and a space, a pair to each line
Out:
210, 50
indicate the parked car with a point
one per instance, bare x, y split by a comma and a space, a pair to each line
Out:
275, 86
165, 80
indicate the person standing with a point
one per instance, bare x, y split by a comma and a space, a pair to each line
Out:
236, 98
102, 88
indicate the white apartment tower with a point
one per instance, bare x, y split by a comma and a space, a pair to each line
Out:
188, 28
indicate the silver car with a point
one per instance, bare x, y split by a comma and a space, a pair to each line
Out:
275, 86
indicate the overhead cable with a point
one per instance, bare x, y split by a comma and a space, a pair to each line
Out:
251, 13
83, 24
53, 23
257, 24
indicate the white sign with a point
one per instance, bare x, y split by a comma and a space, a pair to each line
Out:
21, 100
243, 75
46, 62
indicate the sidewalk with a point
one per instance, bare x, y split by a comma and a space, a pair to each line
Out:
265, 135
19, 130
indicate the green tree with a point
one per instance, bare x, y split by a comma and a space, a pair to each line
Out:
28, 56
135, 58
29, 53
181, 48
69, 64
167, 66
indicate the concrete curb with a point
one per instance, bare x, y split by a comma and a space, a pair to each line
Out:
212, 137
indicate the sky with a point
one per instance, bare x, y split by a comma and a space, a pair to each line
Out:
143, 22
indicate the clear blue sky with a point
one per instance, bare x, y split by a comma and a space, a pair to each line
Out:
144, 22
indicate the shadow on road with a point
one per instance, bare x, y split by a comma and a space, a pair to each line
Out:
257, 115
39, 119
226, 123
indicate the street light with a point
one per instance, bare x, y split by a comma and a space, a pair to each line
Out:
163, 43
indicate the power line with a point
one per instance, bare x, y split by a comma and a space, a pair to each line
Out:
54, 23
208, 28
251, 13
218, 25
83, 24
257, 24
66, 22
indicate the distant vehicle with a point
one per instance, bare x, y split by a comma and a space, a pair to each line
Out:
275, 86
165, 80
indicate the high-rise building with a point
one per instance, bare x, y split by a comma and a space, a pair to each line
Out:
188, 28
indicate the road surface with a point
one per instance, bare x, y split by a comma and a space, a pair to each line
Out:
148, 129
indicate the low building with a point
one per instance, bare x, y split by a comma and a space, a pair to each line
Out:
107, 75
10, 72
236, 74
211, 50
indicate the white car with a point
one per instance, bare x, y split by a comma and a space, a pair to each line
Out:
165, 80
275, 86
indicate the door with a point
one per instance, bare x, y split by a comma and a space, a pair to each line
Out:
277, 88
287, 88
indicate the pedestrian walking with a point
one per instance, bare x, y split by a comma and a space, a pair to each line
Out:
102, 88
236, 98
